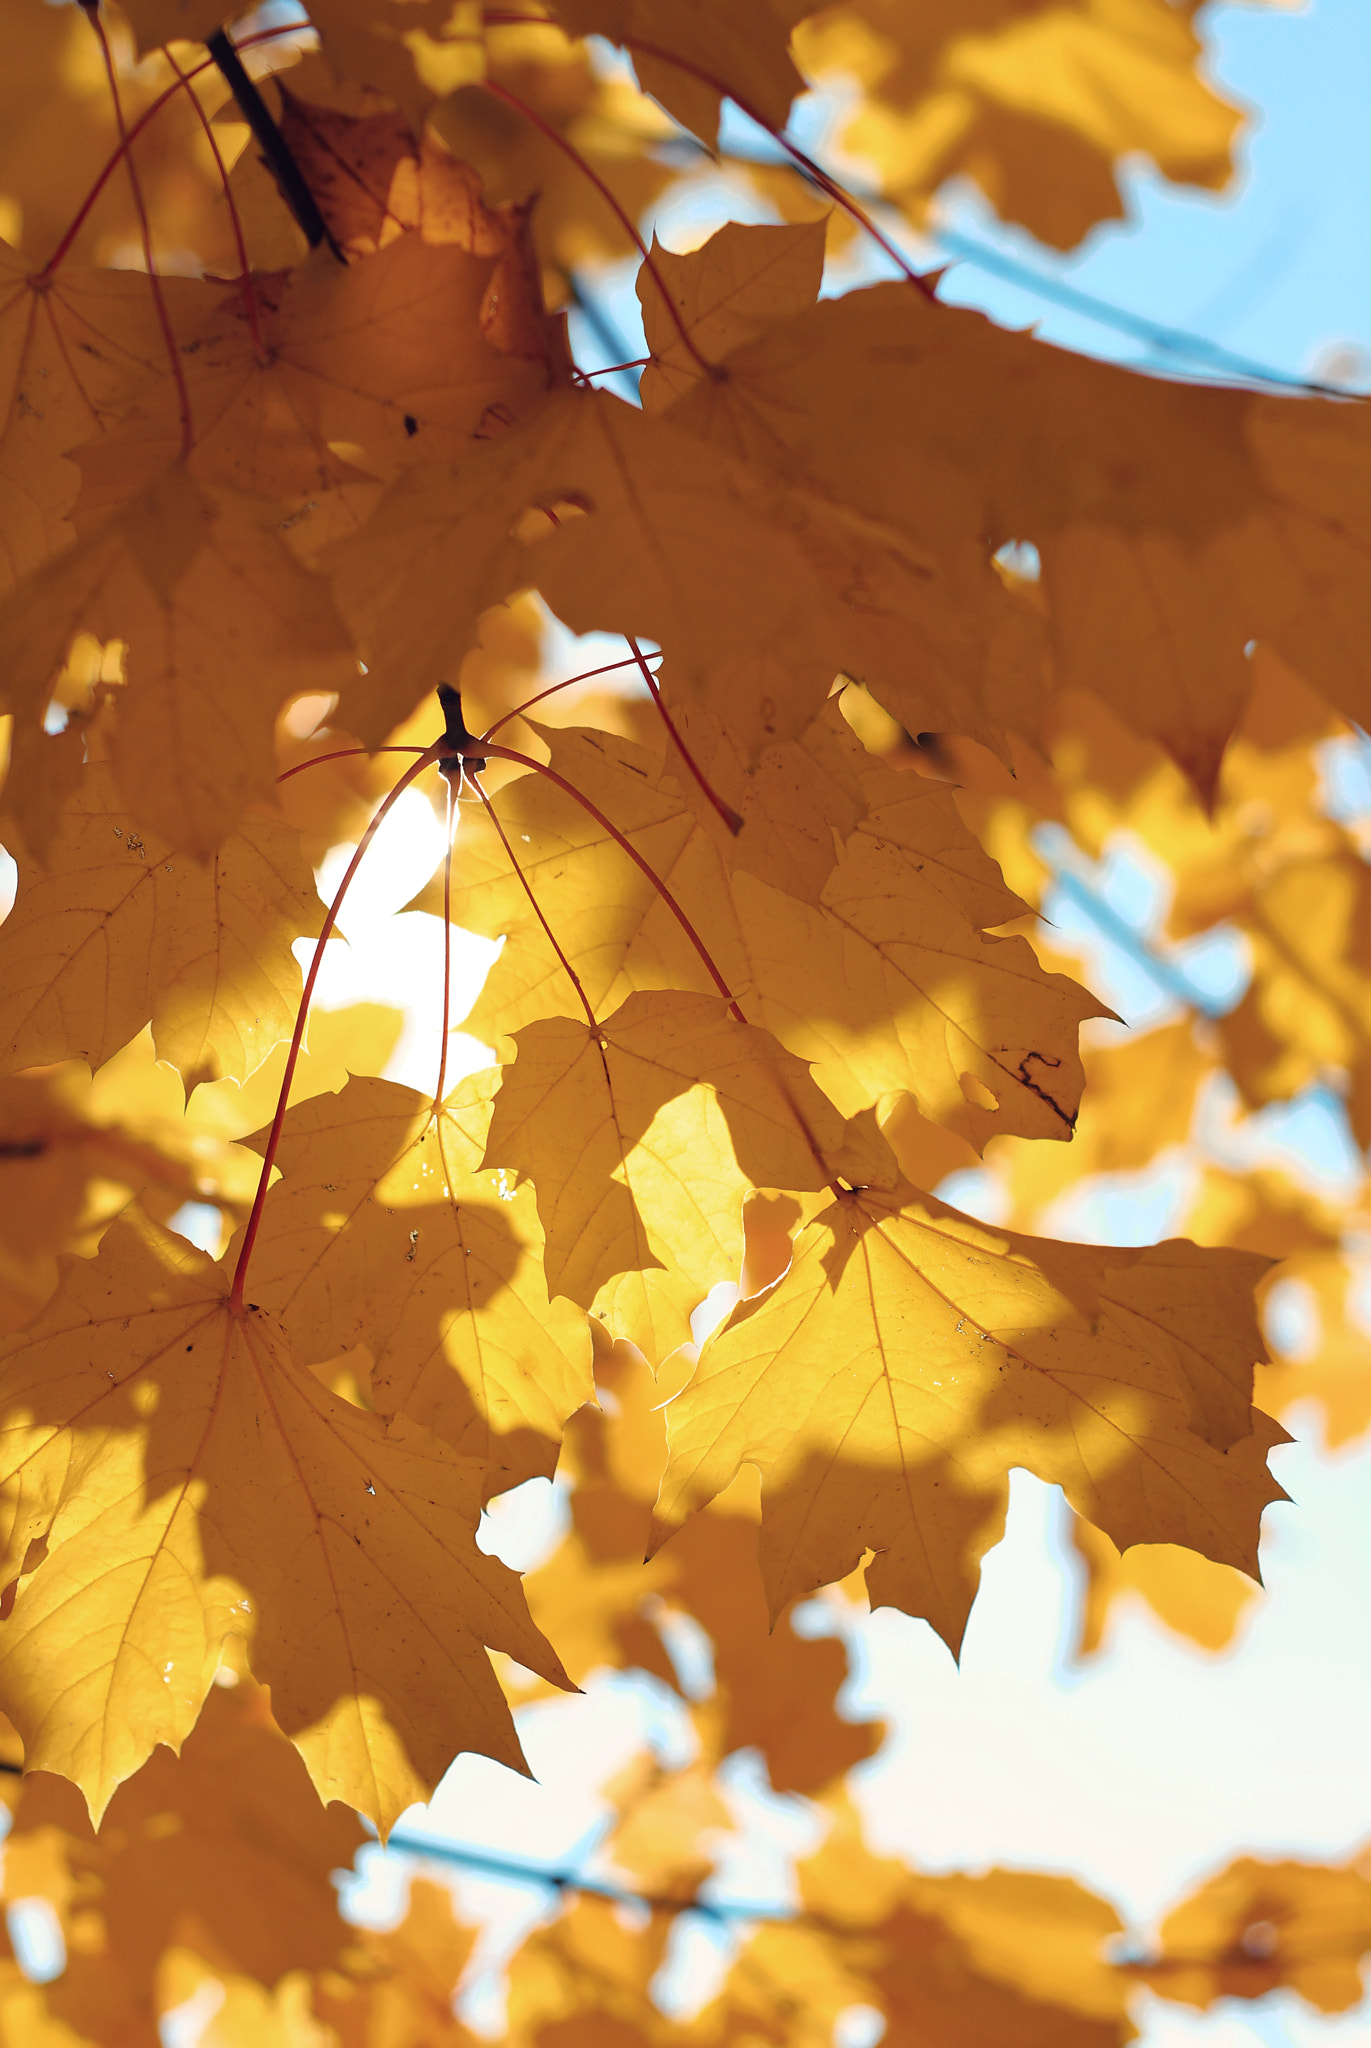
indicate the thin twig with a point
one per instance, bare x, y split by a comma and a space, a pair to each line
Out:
273, 145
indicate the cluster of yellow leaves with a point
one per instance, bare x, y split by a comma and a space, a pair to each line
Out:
1269, 868
213, 1880
759, 991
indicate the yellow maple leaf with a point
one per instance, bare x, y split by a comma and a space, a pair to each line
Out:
221, 624
741, 281
1195, 1597
711, 42
119, 929
578, 1104
938, 1353
182, 1478
884, 979
382, 1232
803, 585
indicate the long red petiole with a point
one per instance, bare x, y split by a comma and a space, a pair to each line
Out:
438, 751
726, 811
235, 218
572, 976
551, 691
112, 163
343, 754
447, 952
608, 369
624, 218
90, 8
822, 178
829, 184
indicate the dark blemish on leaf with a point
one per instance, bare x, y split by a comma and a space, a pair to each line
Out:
1044, 1059
411, 425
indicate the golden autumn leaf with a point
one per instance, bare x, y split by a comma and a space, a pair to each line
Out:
938, 1354
221, 624
174, 1505
578, 1111
971, 1961
74, 351
1197, 509
892, 928
118, 929
803, 584
742, 281
383, 1232
1036, 106
1258, 1925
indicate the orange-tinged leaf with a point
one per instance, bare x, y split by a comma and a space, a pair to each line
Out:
383, 1232
74, 351
1259, 1925
668, 1821
190, 1480
364, 369
1034, 106
1003, 1956
409, 1980
120, 929
373, 181
911, 1356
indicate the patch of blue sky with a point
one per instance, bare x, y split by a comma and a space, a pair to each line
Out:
977, 1192
1290, 1319
1126, 1208
35, 1934
1308, 1137
699, 1953
1112, 911
201, 1224
1263, 268
1345, 773
567, 654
